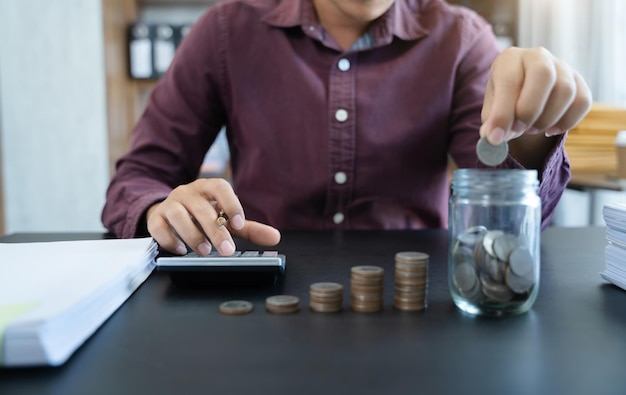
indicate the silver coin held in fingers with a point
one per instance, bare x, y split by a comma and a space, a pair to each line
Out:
489, 154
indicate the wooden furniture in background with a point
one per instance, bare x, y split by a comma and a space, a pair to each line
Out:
126, 97
121, 90
591, 145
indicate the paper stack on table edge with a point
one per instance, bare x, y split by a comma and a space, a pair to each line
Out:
615, 251
55, 295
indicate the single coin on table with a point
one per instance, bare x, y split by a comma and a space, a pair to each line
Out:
236, 307
489, 154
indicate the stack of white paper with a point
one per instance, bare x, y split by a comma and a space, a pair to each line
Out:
615, 251
54, 295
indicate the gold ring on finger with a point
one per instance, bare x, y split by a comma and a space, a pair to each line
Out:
222, 218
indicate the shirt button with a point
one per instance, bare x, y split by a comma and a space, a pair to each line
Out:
344, 64
338, 218
341, 177
341, 115
311, 27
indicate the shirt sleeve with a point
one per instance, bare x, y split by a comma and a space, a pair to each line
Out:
473, 70
182, 118
553, 178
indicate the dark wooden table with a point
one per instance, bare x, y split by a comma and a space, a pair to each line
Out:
584, 181
167, 340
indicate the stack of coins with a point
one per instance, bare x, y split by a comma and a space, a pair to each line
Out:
282, 304
366, 287
492, 266
411, 280
326, 297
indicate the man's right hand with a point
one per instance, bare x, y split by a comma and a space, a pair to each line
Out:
189, 216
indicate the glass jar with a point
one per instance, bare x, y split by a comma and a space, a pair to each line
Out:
494, 231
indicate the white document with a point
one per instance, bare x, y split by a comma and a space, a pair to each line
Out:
141, 58
163, 55
615, 252
54, 295
615, 216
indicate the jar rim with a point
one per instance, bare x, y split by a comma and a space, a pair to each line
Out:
472, 176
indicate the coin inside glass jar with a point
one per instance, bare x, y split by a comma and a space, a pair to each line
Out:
492, 266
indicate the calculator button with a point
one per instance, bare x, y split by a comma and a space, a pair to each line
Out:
270, 253
250, 253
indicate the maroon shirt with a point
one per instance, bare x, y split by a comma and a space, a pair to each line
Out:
320, 138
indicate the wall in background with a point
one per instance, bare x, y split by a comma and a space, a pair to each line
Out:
53, 115
588, 34
2, 231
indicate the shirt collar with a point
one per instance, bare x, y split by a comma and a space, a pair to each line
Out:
400, 20
291, 13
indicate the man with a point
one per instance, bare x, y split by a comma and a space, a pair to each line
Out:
340, 114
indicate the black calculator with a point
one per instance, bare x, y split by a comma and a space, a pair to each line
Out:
241, 268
